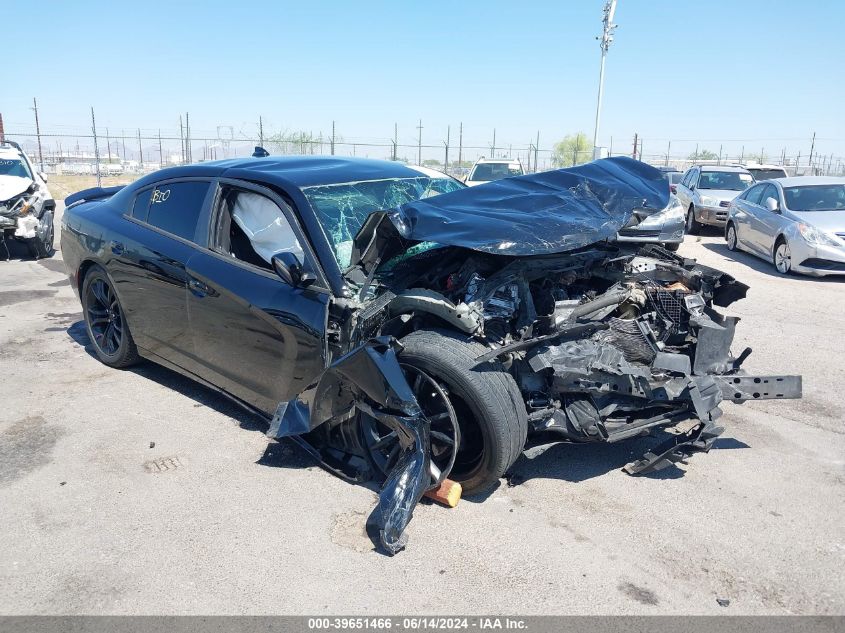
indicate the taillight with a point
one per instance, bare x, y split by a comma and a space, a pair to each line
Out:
673, 188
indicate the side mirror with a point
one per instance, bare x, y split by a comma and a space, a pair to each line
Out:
772, 205
289, 269
43, 176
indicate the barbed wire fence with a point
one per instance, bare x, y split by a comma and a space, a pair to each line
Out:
106, 151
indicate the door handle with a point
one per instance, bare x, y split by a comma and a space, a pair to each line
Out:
117, 248
199, 289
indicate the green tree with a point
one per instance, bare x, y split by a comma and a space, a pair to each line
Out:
703, 154
574, 149
296, 142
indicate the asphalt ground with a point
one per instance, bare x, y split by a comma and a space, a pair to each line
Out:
140, 492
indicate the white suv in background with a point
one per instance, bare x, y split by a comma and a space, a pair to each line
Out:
487, 169
706, 192
26, 206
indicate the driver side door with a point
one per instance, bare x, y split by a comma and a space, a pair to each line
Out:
255, 337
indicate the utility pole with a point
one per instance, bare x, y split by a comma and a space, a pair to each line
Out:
108, 145
160, 153
741, 156
493, 149
260, 131
812, 147
38, 134
181, 141
395, 139
123, 143
96, 149
720, 155
668, 150
604, 42
353, 149
419, 143
634, 155
460, 143
446, 161
188, 153
536, 149
2, 133
140, 151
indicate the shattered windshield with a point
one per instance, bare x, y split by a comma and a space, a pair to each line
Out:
342, 208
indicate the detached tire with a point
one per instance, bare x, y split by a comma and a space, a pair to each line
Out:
489, 407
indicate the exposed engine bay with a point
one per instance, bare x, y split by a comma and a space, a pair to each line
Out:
603, 342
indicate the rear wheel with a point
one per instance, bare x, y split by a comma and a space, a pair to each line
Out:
492, 423
693, 225
672, 246
782, 258
105, 321
730, 237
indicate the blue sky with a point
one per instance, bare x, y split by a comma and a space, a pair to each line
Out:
745, 72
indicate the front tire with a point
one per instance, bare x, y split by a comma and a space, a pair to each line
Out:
489, 407
105, 321
693, 225
730, 237
43, 248
782, 257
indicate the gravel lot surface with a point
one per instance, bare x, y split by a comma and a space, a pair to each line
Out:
139, 492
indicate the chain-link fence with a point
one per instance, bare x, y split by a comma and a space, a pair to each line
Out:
90, 149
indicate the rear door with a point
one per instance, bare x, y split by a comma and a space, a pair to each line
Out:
148, 265
747, 207
255, 336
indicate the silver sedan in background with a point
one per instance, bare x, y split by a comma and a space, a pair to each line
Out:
798, 224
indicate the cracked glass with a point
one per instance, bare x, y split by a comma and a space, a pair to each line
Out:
342, 208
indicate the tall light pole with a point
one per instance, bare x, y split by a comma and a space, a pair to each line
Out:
604, 41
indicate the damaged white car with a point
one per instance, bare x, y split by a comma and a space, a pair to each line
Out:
26, 206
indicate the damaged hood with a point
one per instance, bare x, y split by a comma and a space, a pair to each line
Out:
549, 212
11, 186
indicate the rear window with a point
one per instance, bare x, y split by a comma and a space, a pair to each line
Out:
142, 203
175, 207
766, 174
494, 171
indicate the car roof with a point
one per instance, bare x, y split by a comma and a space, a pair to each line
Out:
497, 160
803, 181
10, 152
760, 166
301, 171
734, 168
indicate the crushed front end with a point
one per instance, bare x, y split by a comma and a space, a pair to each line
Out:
598, 341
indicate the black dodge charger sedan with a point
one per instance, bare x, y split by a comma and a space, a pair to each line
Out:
405, 329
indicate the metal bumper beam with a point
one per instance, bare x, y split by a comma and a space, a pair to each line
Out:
742, 388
